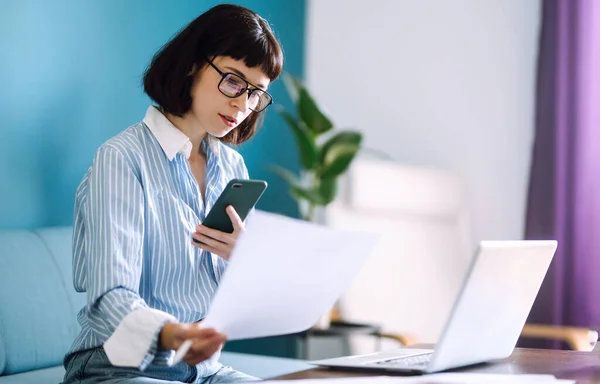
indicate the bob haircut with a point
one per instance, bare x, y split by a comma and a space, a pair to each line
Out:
224, 30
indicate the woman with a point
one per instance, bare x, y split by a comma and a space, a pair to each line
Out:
138, 207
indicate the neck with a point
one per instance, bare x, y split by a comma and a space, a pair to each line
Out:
191, 128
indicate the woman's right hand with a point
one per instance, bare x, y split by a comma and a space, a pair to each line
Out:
205, 341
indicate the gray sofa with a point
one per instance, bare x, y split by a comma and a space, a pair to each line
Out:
38, 308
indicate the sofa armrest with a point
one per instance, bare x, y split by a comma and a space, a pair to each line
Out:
402, 338
578, 338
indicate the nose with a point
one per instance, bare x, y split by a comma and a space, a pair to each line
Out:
241, 102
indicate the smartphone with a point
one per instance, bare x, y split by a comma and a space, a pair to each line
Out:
242, 195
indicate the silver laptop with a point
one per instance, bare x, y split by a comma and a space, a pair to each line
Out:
487, 318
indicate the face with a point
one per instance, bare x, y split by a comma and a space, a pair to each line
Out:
216, 113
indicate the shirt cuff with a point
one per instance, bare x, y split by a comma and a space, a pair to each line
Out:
164, 357
135, 341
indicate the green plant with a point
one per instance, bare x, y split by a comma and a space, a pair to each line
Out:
324, 154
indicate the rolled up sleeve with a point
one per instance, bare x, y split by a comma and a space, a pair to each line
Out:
115, 223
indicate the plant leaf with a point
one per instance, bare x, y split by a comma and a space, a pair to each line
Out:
337, 160
307, 147
328, 190
291, 84
340, 138
307, 194
316, 121
338, 152
286, 175
296, 189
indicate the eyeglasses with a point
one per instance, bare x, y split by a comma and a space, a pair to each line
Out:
232, 86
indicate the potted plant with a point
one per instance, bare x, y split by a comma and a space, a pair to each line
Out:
324, 153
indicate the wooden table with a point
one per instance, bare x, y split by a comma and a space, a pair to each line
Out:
581, 366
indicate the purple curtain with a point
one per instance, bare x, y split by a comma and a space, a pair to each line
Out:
564, 190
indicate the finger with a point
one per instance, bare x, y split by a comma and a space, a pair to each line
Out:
207, 344
193, 358
195, 332
215, 234
204, 350
196, 244
208, 241
236, 221
191, 336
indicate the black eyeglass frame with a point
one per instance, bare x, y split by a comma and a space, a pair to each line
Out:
246, 89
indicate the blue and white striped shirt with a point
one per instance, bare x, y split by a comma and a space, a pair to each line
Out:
135, 212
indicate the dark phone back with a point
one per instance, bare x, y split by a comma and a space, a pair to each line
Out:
242, 195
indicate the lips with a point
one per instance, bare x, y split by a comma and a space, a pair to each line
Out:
229, 119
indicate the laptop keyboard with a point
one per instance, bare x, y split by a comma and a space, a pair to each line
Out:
408, 361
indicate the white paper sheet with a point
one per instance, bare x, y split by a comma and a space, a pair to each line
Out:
481, 378
440, 378
282, 276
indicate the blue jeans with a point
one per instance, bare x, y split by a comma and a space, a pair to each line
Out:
93, 366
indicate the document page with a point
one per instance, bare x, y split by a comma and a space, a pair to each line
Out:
283, 275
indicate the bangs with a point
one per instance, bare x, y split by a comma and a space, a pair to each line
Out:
256, 50
268, 58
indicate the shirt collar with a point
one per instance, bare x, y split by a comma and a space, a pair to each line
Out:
171, 139
213, 144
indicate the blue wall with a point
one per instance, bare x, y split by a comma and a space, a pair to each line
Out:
70, 76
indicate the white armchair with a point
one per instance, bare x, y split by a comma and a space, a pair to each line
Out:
411, 280
412, 277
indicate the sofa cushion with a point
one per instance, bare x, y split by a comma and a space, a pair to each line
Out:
38, 304
2, 350
51, 375
259, 366
58, 240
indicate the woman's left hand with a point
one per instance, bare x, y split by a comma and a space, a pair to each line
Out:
217, 242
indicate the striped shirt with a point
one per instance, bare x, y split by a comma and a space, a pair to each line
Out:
135, 212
